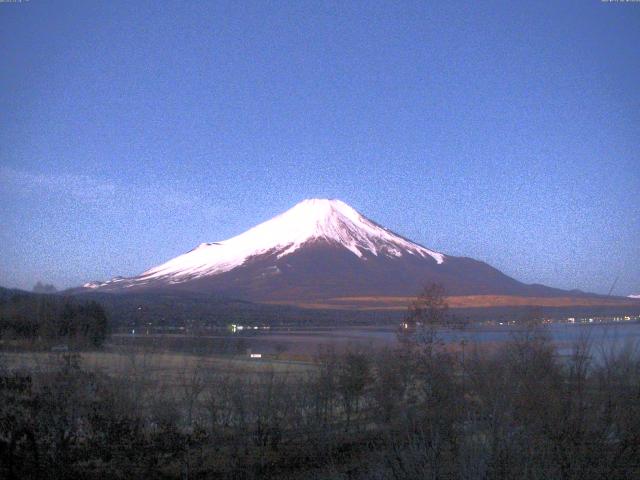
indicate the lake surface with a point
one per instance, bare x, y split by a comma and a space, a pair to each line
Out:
308, 341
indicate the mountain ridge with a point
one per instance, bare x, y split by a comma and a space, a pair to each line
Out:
321, 249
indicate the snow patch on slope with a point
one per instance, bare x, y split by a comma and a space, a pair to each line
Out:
634, 296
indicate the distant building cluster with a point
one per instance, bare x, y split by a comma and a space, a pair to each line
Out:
572, 320
239, 328
604, 319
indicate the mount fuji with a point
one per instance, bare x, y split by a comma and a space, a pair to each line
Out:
321, 249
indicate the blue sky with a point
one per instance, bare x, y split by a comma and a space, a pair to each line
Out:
505, 131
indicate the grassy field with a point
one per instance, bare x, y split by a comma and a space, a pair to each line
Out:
166, 368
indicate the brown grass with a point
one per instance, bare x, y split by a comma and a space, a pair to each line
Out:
463, 301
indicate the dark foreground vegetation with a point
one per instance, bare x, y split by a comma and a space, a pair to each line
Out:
421, 411
43, 320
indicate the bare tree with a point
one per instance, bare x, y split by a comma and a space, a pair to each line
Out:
354, 375
426, 316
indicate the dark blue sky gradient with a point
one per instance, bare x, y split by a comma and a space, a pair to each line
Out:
504, 131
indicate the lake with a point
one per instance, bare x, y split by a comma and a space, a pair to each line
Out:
308, 341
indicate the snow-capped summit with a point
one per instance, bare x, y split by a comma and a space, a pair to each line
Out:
310, 220
319, 249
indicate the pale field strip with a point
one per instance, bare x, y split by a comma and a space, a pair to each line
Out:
462, 301
164, 367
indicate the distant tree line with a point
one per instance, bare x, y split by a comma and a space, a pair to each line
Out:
52, 318
44, 288
135, 310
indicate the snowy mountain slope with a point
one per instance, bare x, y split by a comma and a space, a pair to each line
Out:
320, 249
329, 220
314, 219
